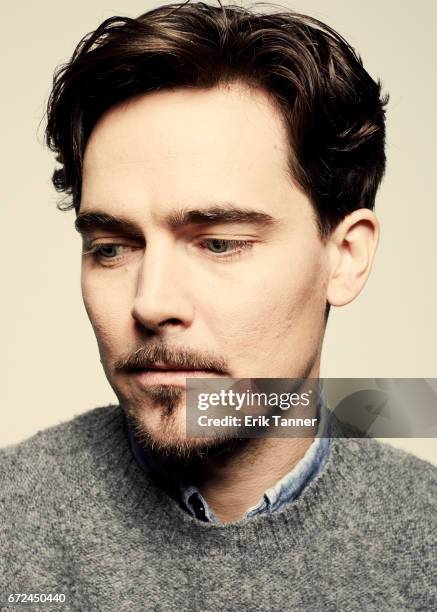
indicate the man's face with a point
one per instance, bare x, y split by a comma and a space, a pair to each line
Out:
236, 289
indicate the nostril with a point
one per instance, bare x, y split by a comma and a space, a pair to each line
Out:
172, 321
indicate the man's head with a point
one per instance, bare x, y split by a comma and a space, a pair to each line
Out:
223, 166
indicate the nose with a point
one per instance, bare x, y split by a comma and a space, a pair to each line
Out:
161, 299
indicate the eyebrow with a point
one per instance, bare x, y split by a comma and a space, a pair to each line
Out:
88, 222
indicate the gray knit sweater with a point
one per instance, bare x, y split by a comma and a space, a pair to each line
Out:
79, 517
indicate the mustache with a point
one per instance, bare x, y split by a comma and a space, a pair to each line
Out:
147, 356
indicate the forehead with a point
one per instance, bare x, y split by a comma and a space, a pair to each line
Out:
183, 146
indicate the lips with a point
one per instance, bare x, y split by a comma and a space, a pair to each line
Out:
168, 367
169, 375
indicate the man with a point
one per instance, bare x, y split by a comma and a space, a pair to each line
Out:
223, 166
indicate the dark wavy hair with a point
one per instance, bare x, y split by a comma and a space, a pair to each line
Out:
333, 110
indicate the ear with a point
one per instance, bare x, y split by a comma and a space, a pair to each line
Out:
351, 249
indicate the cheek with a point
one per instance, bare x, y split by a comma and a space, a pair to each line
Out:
298, 312
108, 311
278, 307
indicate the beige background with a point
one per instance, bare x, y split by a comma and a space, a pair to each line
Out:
50, 363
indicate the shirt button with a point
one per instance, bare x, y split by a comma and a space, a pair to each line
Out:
198, 507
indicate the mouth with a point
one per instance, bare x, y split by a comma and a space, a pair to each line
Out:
160, 374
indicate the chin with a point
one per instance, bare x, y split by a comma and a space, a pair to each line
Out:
159, 425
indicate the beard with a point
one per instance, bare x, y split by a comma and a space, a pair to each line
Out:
157, 414
167, 440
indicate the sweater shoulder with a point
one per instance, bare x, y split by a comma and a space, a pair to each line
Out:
50, 456
403, 464
403, 484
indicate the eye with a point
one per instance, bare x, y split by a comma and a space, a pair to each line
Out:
225, 247
217, 245
108, 250
109, 253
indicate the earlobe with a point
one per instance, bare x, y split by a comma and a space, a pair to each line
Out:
351, 250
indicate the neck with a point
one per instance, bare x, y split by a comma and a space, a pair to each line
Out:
234, 483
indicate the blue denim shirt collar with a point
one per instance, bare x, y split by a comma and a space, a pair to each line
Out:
288, 488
